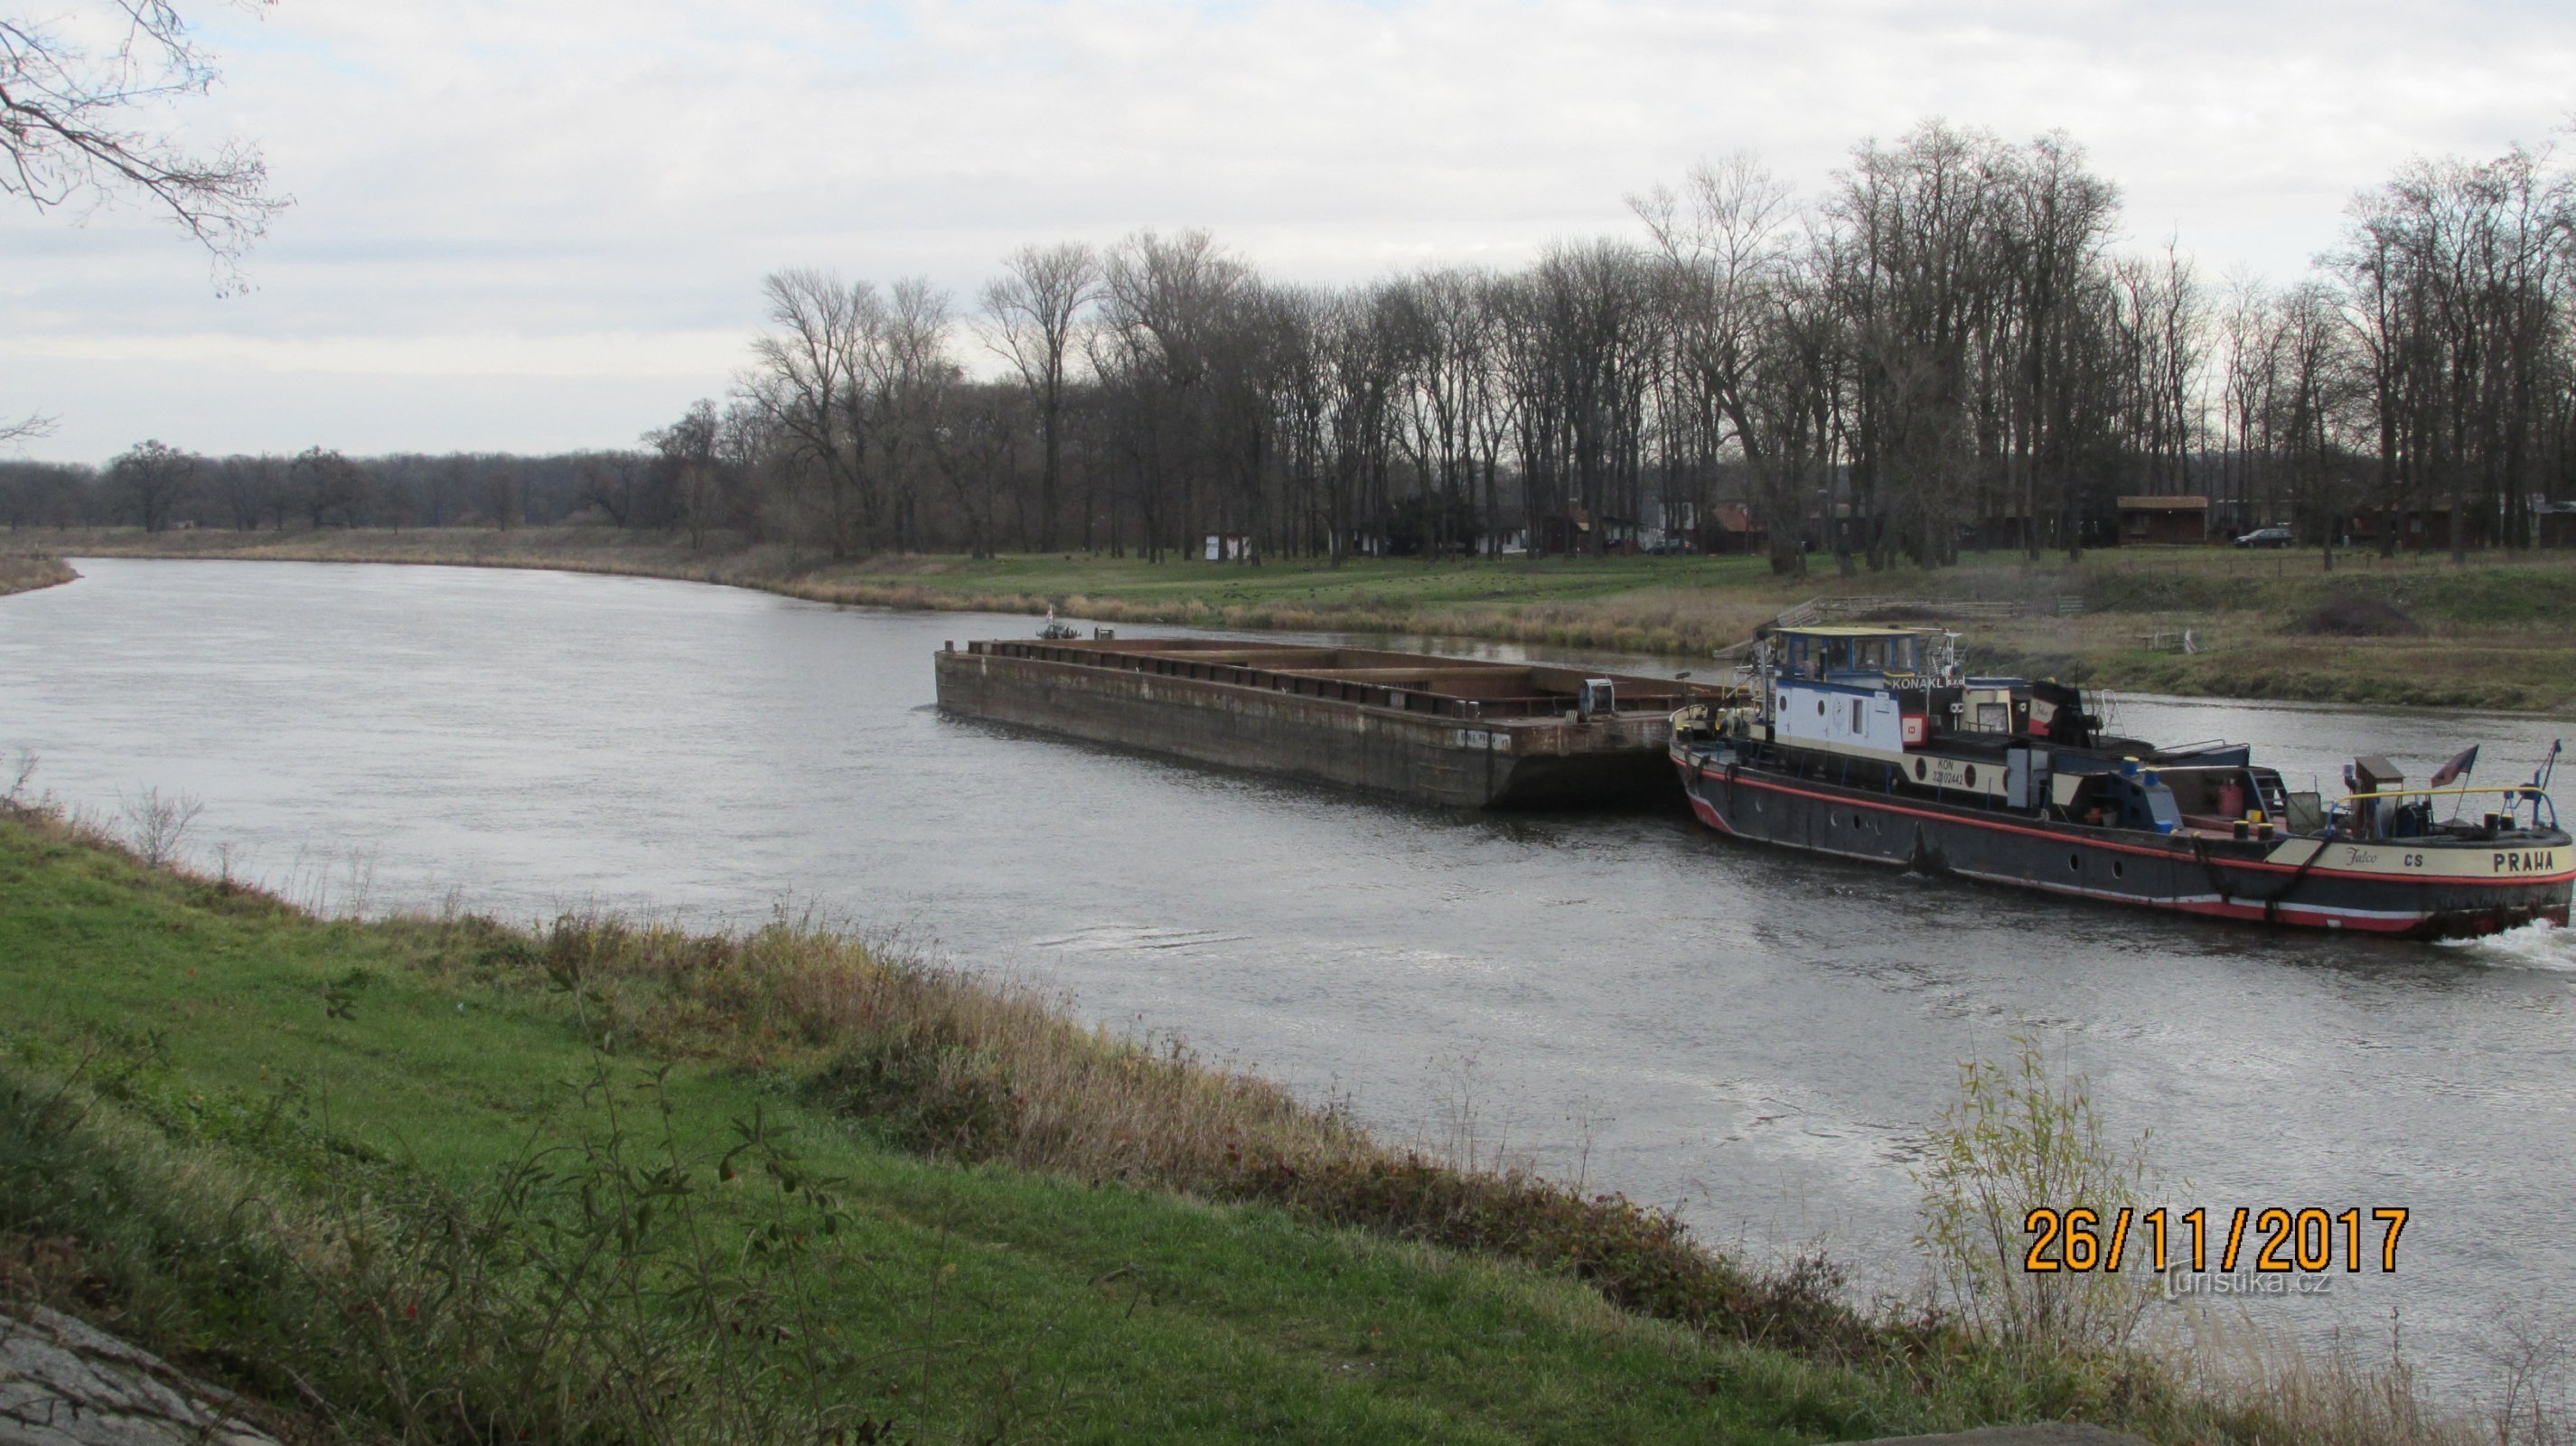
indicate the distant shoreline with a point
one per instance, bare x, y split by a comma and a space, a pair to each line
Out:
2497, 634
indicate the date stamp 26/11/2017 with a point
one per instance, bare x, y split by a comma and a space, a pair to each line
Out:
2277, 1241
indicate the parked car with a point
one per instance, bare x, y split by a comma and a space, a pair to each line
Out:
2266, 537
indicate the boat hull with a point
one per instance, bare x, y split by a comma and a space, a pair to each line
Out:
2407, 890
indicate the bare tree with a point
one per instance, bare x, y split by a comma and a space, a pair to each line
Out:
690, 452
68, 136
152, 478
247, 487
907, 374
505, 495
808, 389
157, 823
1030, 316
1165, 302
1727, 244
328, 486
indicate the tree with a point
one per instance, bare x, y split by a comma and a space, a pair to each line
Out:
248, 488
329, 486
504, 495
1030, 314
151, 479
689, 451
807, 388
1165, 303
908, 375
1725, 243
67, 135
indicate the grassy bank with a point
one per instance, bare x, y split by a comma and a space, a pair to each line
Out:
2497, 633
24, 572
439, 1179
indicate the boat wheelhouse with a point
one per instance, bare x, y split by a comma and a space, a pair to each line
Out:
1872, 743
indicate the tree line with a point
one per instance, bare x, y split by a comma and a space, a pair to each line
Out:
1946, 347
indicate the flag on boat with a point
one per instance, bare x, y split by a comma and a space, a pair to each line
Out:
2457, 768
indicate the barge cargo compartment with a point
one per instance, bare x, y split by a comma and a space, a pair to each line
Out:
1454, 732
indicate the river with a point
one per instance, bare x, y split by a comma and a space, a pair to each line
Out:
1756, 1039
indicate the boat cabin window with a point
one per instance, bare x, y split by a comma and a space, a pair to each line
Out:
1810, 655
2221, 794
2111, 801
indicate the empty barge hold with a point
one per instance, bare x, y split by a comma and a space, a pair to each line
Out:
1448, 731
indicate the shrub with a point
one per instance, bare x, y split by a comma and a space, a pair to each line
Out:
2020, 1139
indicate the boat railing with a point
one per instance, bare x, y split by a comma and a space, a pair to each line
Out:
2512, 795
2518, 790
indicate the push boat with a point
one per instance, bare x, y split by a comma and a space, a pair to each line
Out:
1869, 743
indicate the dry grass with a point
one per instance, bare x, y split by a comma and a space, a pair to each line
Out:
28, 571
964, 1067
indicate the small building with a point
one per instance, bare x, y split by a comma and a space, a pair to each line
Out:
1729, 528
2420, 529
1577, 531
2145, 521
1228, 547
2553, 524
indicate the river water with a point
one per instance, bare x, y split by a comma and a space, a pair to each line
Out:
1754, 1038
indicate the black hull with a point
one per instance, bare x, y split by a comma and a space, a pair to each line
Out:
2214, 878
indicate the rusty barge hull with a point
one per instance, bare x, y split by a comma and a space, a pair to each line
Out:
1446, 731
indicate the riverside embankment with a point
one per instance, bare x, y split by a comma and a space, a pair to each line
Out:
433, 1177
1756, 1040
2410, 631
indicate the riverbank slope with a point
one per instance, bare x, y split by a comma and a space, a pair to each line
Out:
2499, 632
344, 1166
598, 1181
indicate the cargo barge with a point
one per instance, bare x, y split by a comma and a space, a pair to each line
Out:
1455, 732
1870, 744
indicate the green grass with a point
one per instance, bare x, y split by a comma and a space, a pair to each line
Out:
1004, 1299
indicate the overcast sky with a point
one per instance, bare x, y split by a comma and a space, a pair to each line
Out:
542, 224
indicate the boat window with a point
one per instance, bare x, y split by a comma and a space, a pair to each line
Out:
1856, 724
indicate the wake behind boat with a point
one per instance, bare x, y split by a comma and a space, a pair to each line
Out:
1868, 743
